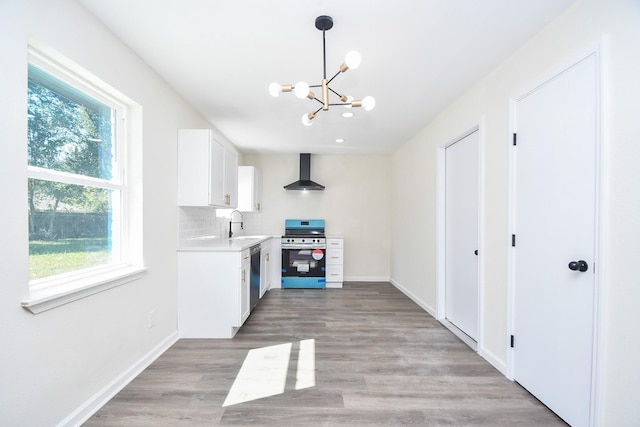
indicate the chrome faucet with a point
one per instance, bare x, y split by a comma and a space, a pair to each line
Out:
231, 221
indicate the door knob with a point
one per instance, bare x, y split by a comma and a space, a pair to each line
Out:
578, 266
475, 252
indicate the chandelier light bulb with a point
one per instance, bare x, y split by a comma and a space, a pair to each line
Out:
301, 90
369, 103
353, 60
275, 89
306, 119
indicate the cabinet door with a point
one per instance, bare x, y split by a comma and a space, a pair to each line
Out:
245, 282
249, 189
216, 174
257, 191
265, 268
231, 178
197, 169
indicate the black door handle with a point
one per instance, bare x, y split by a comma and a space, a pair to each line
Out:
578, 266
475, 252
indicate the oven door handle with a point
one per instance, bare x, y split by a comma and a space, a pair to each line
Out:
301, 248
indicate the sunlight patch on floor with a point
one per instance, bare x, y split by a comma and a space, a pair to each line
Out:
306, 371
264, 372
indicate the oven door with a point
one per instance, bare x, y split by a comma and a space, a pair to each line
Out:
303, 267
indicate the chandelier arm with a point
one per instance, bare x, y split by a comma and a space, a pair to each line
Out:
346, 103
334, 76
320, 101
336, 93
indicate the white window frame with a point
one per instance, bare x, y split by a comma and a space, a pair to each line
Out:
54, 291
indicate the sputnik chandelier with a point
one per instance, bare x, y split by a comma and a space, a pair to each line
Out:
303, 90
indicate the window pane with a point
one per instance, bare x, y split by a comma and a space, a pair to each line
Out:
71, 227
68, 130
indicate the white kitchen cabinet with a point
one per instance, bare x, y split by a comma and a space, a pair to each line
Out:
213, 293
245, 288
335, 262
276, 263
207, 171
249, 189
265, 267
230, 190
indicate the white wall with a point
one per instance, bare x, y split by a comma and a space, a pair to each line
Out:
355, 204
53, 363
617, 24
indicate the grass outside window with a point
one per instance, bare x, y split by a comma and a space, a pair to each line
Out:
53, 257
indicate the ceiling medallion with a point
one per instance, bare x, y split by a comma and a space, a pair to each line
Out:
303, 90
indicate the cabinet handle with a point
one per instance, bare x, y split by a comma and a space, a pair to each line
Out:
244, 274
246, 257
268, 257
258, 206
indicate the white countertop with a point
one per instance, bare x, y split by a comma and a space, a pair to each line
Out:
221, 244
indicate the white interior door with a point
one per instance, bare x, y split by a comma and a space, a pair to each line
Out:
555, 204
461, 234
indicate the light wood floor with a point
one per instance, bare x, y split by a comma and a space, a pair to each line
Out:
379, 360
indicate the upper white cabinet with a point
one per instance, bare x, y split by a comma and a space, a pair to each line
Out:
230, 190
207, 171
249, 189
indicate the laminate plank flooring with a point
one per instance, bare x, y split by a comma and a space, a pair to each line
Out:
361, 355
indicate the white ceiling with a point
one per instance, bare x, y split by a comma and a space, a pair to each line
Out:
417, 57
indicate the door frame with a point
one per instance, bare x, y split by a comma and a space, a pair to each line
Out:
600, 213
441, 235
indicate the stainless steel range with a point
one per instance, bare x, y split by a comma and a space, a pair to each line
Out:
303, 254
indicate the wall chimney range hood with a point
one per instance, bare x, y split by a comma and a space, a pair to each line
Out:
304, 183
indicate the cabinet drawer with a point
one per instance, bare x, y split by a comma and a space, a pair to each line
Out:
335, 243
334, 273
335, 256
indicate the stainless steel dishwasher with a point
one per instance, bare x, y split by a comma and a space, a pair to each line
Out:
254, 283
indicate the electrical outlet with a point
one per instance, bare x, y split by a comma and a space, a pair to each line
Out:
152, 319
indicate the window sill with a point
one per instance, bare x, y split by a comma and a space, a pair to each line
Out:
57, 294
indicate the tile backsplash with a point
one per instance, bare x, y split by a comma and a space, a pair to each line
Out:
206, 221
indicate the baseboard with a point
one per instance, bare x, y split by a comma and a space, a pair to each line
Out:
98, 400
414, 298
366, 279
461, 335
494, 361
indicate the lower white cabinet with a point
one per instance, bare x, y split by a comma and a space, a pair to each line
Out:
245, 288
335, 262
265, 267
270, 265
213, 293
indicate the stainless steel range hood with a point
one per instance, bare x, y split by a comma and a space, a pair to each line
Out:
304, 183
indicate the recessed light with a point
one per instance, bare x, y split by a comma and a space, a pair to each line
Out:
347, 114
339, 140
